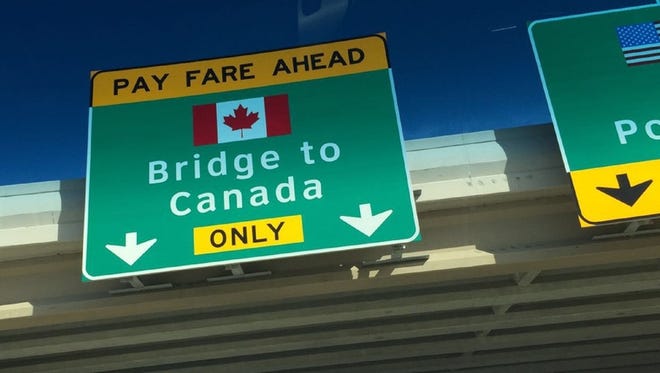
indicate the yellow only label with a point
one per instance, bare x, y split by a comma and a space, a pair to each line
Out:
617, 193
248, 234
239, 72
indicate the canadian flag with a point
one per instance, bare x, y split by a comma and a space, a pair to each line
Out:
238, 120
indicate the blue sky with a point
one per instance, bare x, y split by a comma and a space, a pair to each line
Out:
458, 66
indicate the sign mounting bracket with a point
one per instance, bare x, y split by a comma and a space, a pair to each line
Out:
237, 273
396, 257
632, 230
138, 286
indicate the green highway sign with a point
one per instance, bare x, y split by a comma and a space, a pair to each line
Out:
229, 160
602, 94
600, 73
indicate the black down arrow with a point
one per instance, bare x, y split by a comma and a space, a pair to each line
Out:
626, 193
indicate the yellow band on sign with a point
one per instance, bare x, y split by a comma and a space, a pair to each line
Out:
240, 72
618, 193
248, 234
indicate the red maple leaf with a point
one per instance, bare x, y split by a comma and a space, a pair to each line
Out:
241, 119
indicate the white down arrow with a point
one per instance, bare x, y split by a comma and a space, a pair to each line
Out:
131, 251
367, 222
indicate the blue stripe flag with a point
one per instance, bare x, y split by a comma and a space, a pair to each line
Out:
640, 42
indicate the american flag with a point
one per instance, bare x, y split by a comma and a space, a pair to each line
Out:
640, 43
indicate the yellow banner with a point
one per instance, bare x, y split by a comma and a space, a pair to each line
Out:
617, 193
239, 72
248, 234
